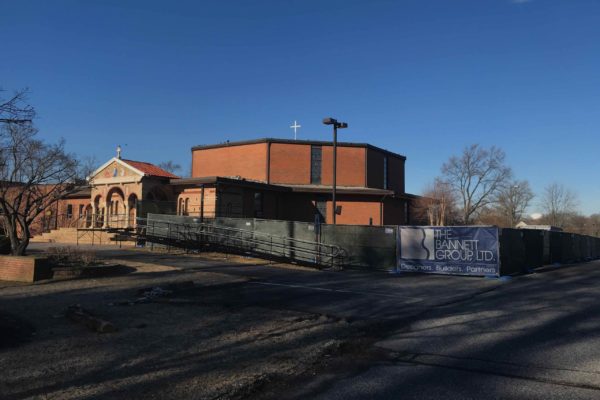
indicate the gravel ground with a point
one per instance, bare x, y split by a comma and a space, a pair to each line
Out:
194, 344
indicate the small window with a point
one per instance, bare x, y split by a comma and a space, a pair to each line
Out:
69, 210
315, 165
385, 172
258, 204
81, 210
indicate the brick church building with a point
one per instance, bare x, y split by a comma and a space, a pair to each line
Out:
263, 178
292, 180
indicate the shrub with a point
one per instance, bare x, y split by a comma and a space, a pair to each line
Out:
69, 256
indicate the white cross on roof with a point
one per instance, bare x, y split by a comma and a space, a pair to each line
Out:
295, 128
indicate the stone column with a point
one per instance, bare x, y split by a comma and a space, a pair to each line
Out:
126, 206
106, 210
93, 216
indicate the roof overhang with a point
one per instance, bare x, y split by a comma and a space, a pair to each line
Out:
341, 190
320, 189
290, 141
213, 180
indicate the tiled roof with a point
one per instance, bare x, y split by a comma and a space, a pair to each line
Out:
150, 169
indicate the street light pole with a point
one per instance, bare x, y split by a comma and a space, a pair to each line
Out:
334, 171
336, 125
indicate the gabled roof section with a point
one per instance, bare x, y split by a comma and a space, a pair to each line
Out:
140, 167
149, 169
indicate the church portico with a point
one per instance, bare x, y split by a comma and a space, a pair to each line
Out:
119, 186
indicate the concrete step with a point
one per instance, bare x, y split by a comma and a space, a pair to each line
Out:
72, 235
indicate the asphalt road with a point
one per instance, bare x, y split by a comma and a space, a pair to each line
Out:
351, 294
534, 336
537, 337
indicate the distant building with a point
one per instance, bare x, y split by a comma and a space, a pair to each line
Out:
523, 225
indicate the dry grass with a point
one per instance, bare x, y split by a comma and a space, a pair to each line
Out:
71, 256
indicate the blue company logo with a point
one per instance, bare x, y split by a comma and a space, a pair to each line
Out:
417, 244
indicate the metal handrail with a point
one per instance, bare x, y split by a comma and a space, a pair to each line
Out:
96, 221
283, 247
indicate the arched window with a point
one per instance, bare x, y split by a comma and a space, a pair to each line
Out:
187, 205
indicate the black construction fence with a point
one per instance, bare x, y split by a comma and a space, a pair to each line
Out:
375, 247
523, 250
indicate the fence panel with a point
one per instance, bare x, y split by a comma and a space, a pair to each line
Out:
371, 247
536, 248
513, 258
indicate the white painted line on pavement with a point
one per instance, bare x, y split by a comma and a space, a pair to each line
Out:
337, 290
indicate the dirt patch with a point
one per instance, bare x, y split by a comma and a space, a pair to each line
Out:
234, 258
193, 342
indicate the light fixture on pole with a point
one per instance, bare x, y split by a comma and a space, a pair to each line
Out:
336, 125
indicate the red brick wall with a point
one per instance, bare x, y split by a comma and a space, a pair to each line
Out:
23, 269
356, 210
62, 206
194, 198
248, 161
290, 163
350, 166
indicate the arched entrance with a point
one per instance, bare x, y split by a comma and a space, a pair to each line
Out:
88, 213
132, 210
97, 219
116, 209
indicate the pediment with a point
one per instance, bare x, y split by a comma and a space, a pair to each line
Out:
115, 170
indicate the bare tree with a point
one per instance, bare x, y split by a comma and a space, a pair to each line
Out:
170, 166
477, 176
438, 203
33, 175
15, 109
512, 201
87, 165
558, 202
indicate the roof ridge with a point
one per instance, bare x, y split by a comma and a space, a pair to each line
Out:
154, 170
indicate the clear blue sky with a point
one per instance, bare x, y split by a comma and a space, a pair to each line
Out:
423, 78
